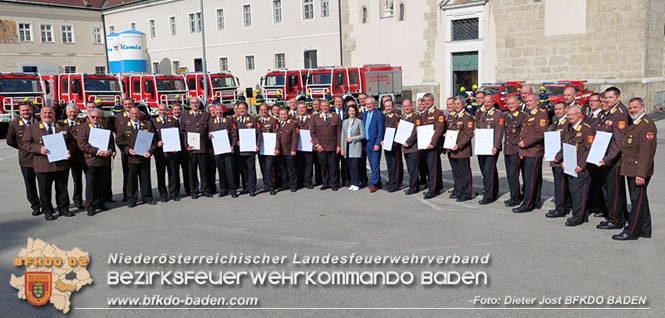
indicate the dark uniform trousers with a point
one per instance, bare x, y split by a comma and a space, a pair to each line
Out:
287, 165
434, 172
210, 162
579, 191
318, 174
45, 182
395, 168
247, 167
139, 174
461, 169
562, 198
238, 173
125, 175
362, 169
596, 204
95, 186
614, 190
160, 167
266, 164
304, 162
422, 167
639, 220
77, 169
107, 194
198, 161
225, 169
180, 161
344, 176
30, 187
328, 160
490, 176
513, 175
412, 166
533, 182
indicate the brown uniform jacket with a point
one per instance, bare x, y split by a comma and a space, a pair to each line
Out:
392, 121
76, 154
250, 123
412, 141
287, 137
513, 123
15, 133
616, 121
32, 142
638, 149
269, 125
533, 133
306, 124
492, 119
326, 132
434, 116
563, 128
126, 139
582, 138
594, 120
225, 123
90, 152
464, 123
158, 124
122, 119
190, 123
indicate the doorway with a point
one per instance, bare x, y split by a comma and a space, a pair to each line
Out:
198, 65
465, 71
310, 59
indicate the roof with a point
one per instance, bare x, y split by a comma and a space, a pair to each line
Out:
84, 4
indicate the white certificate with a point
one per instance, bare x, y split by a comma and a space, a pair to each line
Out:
99, 138
570, 159
552, 144
171, 139
451, 139
404, 130
57, 148
268, 144
143, 142
220, 142
305, 141
484, 140
598, 148
425, 134
194, 140
388, 138
247, 139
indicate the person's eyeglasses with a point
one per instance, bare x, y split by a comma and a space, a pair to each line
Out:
594, 100
93, 117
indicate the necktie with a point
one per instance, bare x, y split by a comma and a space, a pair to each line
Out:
196, 114
325, 117
50, 129
242, 120
177, 122
96, 126
369, 120
136, 126
28, 123
302, 118
283, 123
263, 121
71, 124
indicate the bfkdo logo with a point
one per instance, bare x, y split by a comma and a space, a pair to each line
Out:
51, 275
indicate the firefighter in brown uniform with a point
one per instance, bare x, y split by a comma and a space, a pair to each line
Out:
616, 121
224, 162
76, 163
139, 165
410, 147
460, 154
433, 116
287, 143
179, 160
326, 131
98, 162
196, 121
304, 160
511, 151
532, 146
391, 119
15, 133
162, 121
267, 162
638, 150
48, 172
490, 118
120, 121
562, 201
247, 160
581, 135
596, 203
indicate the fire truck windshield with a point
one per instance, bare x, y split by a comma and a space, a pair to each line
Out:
19, 85
171, 84
101, 85
554, 90
490, 90
222, 82
274, 80
320, 79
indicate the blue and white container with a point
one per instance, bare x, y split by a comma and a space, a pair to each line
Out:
133, 57
113, 52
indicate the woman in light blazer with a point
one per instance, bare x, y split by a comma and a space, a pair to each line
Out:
353, 133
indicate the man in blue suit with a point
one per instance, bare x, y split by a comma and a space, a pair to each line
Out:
373, 119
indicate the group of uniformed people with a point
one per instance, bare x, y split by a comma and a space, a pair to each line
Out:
346, 134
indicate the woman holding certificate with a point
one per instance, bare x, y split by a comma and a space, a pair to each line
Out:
353, 133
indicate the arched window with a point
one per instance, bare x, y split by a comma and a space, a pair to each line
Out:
363, 15
401, 11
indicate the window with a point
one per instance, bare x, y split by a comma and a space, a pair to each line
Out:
25, 31
176, 66
220, 19
277, 11
223, 64
325, 8
195, 22
111, 29
67, 33
172, 25
155, 67
70, 68
307, 9
249, 62
363, 15
152, 29
465, 29
97, 35
132, 26
310, 59
401, 11
247, 15
280, 61
100, 69
47, 33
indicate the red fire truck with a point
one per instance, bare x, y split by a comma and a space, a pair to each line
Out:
151, 90
221, 86
375, 80
501, 91
17, 87
289, 83
555, 91
78, 88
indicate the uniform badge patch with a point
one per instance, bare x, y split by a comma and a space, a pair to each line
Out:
621, 124
590, 139
501, 121
649, 136
543, 122
417, 122
470, 124
440, 119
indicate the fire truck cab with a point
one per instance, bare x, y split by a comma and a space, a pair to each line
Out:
17, 87
554, 91
151, 90
375, 80
78, 88
289, 83
501, 91
222, 87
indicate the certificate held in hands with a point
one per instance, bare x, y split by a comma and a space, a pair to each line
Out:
220, 142
404, 130
388, 139
268, 144
170, 139
451, 139
304, 141
425, 134
247, 140
57, 148
484, 141
598, 148
552, 144
143, 142
194, 140
570, 159
99, 138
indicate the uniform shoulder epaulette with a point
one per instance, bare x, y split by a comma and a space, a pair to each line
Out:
585, 124
309, 116
620, 110
646, 120
288, 121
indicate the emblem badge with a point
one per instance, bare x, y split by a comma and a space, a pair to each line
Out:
630, 140
543, 122
500, 121
649, 136
38, 287
590, 139
470, 124
621, 124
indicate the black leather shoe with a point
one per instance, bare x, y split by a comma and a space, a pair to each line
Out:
645, 235
310, 187
453, 196
324, 188
36, 212
485, 201
131, 205
112, 201
104, 208
623, 236
294, 190
551, 211
462, 199
67, 214
49, 216
598, 215
91, 212
164, 200
208, 195
574, 222
252, 193
221, 194
151, 202
176, 198
554, 214
234, 194
409, 192
79, 205
273, 192
511, 203
522, 209
195, 196
334, 188
428, 195
391, 190
609, 226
